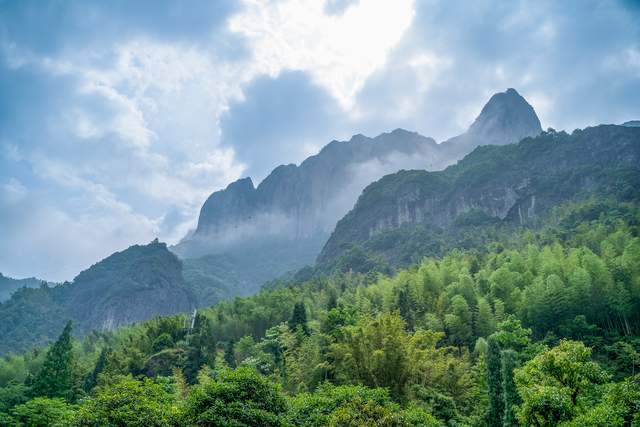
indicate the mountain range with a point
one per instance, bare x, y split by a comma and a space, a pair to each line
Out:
287, 218
248, 235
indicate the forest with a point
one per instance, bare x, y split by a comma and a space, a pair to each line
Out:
537, 328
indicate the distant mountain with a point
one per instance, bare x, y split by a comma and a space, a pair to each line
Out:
515, 184
632, 124
292, 212
8, 285
505, 119
129, 286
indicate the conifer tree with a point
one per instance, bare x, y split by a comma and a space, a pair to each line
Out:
511, 396
92, 379
404, 306
229, 354
55, 378
494, 382
299, 318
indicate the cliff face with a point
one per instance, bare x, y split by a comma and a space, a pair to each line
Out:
298, 206
515, 184
303, 202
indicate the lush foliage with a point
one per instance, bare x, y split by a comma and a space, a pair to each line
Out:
538, 329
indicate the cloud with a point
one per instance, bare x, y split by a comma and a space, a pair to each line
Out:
281, 120
339, 51
118, 119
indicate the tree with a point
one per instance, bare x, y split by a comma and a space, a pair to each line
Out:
458, 322
163, 341
125, 401
299, 318
485, 323
494, 382
229, 354
620, 405
240, 397
43, 412
55, 379
92, 379
510, 393
553, 384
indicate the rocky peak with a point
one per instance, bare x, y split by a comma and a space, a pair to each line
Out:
506, 118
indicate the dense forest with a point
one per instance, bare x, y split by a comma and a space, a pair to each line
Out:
539, 327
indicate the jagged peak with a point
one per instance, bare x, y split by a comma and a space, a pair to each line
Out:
506, 117
241, 184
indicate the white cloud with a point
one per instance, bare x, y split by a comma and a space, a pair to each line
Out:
338, 51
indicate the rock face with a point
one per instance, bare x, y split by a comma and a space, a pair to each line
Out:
129, 286
505, 119
303, 202
505, 184
292, 212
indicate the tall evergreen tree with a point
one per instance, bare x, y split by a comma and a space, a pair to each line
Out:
55, 378
510, 392
92, 379
404, 306
198, 349
229, 354
299, 318
494, 382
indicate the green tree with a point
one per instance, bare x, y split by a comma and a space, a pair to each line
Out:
458, 322
163, 341
229, 354
299, 318
494, 382
43, 412
485, 322
557, 383
124, 401
91, 379
241, 397
510, 393
55, 379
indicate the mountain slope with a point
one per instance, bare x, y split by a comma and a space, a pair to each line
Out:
515, 184
129, 286
9, 285
292, 212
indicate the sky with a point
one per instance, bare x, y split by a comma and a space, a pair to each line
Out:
118, 119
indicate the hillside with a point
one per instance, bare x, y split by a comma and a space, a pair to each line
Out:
9, 285
425, 347
514, 185
129, 286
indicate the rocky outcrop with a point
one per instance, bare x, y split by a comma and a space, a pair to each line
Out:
506, 184
303, 202
505, 119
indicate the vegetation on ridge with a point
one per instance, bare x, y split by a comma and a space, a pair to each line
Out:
541, 329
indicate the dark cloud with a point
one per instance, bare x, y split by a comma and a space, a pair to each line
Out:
50, 26
279, 121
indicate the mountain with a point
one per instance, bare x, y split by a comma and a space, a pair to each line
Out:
138, 283
514, 185
632, 123
9, 285
505, 119
292, 212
